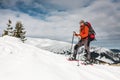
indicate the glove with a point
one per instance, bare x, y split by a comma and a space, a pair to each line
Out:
79, 37
75, 33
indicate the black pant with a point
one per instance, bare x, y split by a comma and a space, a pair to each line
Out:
86, 43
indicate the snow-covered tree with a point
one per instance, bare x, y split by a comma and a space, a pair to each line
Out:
19, 31
9, 30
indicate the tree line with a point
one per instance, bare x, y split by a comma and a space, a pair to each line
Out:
18, 31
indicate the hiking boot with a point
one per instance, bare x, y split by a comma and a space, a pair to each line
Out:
74, 56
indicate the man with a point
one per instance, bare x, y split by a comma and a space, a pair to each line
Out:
84, 40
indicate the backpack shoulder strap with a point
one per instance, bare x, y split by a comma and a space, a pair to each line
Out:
90, 27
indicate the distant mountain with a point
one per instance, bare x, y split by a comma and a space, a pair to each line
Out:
105, 55
115, 50
58, 47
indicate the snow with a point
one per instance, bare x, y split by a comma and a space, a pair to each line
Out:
50, 45
24, 61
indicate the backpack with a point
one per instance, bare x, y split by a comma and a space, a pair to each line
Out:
91, 35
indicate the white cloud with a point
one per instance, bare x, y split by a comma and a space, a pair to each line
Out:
103, 15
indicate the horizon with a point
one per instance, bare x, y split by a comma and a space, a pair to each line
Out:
95, 43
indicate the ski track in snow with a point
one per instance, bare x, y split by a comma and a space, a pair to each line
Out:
20, 61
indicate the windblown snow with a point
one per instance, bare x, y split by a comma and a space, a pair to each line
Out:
26, 61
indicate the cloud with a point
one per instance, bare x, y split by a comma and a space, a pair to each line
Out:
70, 4
57, 19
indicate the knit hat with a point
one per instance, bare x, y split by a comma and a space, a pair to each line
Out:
82, 21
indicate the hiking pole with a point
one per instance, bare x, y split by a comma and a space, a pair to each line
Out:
78, 60
72, 44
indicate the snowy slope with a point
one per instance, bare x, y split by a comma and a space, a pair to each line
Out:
20, 61
50, 45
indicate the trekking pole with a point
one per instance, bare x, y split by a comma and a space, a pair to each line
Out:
72, 44
78, 64
82, 52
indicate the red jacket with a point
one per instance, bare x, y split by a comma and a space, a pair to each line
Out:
84, 31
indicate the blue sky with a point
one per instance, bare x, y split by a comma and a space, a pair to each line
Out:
57, 19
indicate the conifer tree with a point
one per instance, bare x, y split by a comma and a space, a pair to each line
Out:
19, 31
9, 30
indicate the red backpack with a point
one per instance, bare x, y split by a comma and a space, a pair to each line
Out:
92, 33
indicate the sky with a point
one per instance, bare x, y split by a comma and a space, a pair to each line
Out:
57, 19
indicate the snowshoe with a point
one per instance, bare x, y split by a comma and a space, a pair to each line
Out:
72, 59
87, 62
